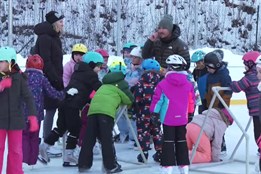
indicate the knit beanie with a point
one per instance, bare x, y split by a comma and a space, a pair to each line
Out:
166, 23
52, 17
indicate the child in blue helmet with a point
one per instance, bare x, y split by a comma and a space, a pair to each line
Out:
83, 84
200, 73
13, 90
100, 121
147, 124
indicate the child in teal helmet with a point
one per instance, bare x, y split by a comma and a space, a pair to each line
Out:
82, 86
200, 74
13, 90
127, 48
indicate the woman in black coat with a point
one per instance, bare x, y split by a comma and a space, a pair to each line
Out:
49, 47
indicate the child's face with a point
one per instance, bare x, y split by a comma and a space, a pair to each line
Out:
104, 65
77, 57
136, 61
258, 69
200, 65
4, 66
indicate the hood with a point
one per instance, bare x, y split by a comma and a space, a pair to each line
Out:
176, 78
45, 28
175, 34
213, 114
222, 69
150, 77
113, 78
81, 66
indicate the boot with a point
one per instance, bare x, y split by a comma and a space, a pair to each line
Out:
183, 169
70, 160
157, 156
43, 156
140, 159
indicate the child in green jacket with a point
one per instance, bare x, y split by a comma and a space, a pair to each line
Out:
100, 121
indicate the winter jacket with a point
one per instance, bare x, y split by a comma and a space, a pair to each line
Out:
49, 47
162, 49
40, 86
85, 80
200, 76
214, 128
113, 93
249, 84
220, 78
173, 99
143, 92
11, 115
68, 70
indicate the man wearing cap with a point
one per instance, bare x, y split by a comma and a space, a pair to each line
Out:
49, 47
165, 42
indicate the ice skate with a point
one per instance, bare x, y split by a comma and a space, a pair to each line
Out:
54, 152
116, 169
43, 156
183, 169
70, 160
166, 169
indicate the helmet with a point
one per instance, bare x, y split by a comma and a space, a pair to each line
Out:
35, 61
250, 58
129, 45
198, 56
80, 48
93, 57
103, 52
118, 66
176, 62
7, 54
151, 64
136, 52
213, 59
220, 52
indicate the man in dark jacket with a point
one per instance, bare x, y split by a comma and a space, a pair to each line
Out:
165, 42
49, 47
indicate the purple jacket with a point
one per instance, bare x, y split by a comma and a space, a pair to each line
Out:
68, 70
172, 97
39, 85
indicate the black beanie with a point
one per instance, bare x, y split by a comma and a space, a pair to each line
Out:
166, 22
52, 17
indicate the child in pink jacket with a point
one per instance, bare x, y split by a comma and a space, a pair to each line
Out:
172, 101
210, 143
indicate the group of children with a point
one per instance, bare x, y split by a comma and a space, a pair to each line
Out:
159, 106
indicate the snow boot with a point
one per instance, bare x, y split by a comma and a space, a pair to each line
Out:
70, 160
43, 156
140, 159
157, 156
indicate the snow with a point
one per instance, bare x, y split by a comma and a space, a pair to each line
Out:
124, 153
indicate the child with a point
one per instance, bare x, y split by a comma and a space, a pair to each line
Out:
171, 100
38, 84
78, 51
100, 121
215, 126
13, 89
200, 74
84, 82
104, 68
127, 48
249, 84
218, 76
147, 124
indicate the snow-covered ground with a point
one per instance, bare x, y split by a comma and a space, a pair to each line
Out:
127, 156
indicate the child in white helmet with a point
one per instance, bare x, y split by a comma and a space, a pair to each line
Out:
13, 90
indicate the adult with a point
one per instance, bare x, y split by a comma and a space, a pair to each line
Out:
165, 42
49, 47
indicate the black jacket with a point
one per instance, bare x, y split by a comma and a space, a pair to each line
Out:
49, 47
85, 80
161, 49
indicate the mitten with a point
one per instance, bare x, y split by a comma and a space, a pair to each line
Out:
33, 123
72, 91
5, 83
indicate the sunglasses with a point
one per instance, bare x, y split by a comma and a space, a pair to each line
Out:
135, 64
210, 67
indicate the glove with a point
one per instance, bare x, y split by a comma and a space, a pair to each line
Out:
5, 83
72, 91
33, 123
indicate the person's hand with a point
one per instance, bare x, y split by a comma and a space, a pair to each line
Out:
5, 83
72, 91
33, 122
154, 37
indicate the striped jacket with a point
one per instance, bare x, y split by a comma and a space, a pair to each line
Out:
248, 84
